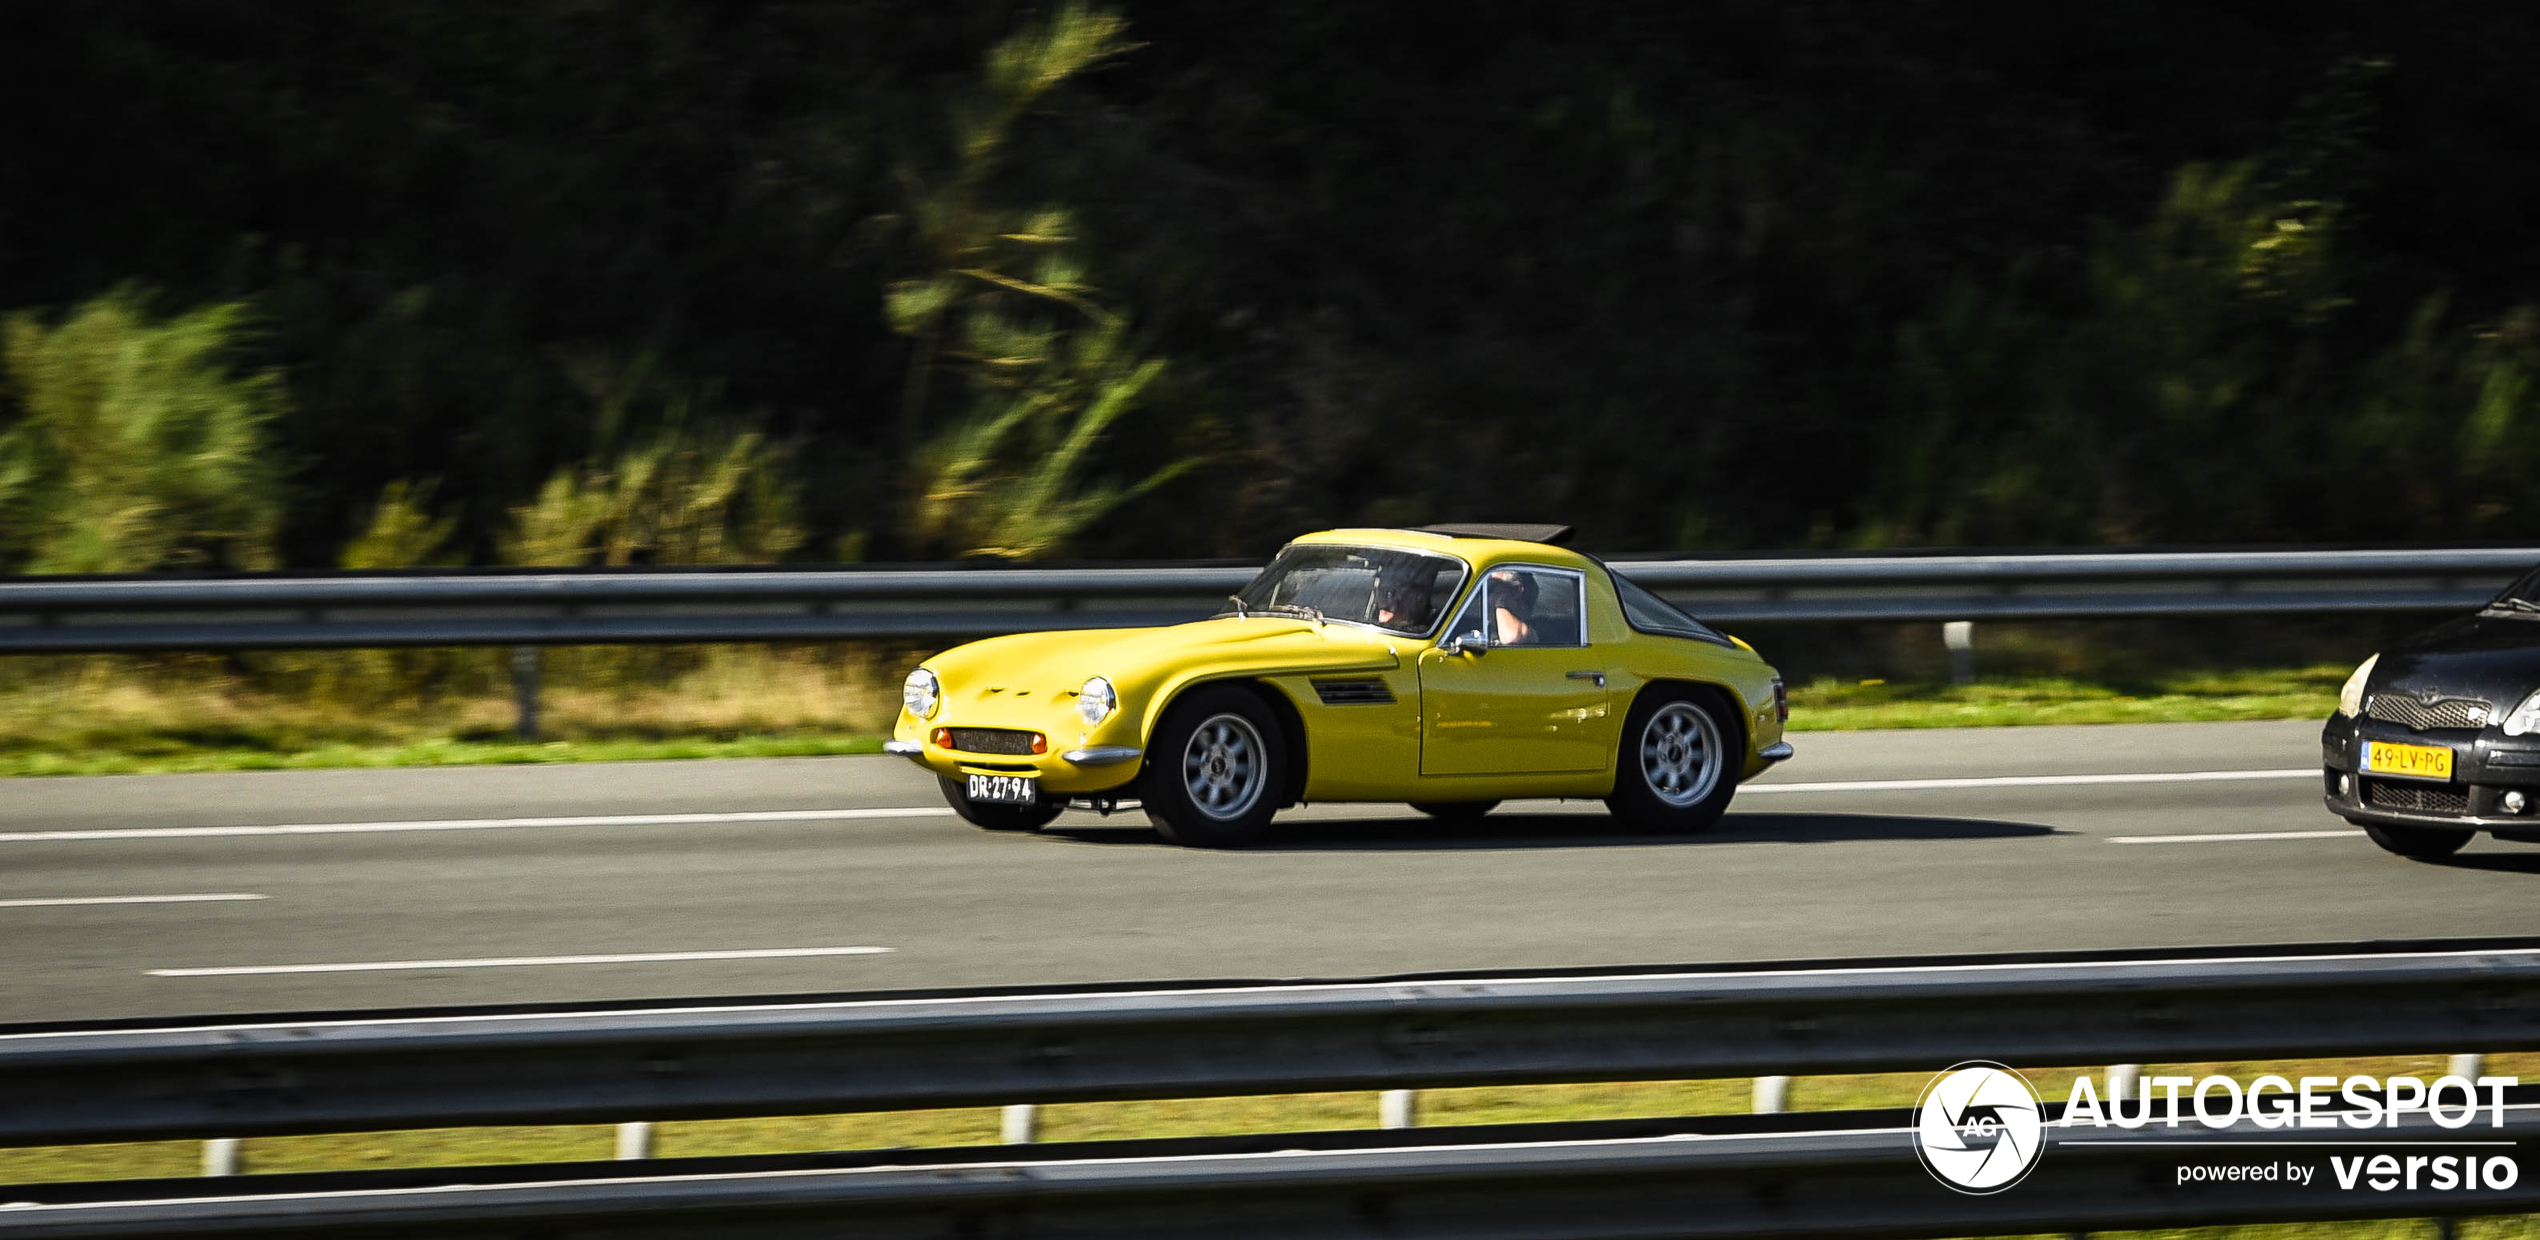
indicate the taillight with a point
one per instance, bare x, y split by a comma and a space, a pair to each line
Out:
1781, 701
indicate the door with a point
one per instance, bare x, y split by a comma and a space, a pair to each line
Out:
1531, 700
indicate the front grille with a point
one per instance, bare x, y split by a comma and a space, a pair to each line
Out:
2417, 716
992, 740
2386, 794
1353, 691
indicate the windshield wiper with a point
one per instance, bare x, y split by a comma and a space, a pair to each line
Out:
1314, 614
2518, 606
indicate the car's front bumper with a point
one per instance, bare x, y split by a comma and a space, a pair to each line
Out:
2486, 764
1077, 772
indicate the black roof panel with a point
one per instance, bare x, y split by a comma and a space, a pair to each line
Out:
1554, 534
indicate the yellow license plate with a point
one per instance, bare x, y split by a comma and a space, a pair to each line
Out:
2414, 761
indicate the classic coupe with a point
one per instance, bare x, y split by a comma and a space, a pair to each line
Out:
2438, 738
1450, 667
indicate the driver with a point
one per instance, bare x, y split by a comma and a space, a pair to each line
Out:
1402, 602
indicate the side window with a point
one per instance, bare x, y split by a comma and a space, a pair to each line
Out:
1651, 614
1520, 605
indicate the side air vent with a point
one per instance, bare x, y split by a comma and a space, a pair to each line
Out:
1354, 691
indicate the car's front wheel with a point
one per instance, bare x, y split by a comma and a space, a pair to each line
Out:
989, 816
1215, 769
2417, 843
1679, 762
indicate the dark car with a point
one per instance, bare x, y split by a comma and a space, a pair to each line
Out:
2438, 738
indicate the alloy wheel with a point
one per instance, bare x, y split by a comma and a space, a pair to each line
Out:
1223, 768
1681, 754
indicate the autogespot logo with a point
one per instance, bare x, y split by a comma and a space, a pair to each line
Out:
1979, 1127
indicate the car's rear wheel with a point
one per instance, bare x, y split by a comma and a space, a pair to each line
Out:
1678, 766
2417, 843
990, 816
1458, 812
1215, 769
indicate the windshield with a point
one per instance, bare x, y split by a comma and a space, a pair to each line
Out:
1380, 587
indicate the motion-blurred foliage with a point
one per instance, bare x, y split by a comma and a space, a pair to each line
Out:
637, 281
135, 443
1043, 366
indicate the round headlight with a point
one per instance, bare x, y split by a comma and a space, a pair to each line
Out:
2350, 699
1095, 701
920, 692
2526, 718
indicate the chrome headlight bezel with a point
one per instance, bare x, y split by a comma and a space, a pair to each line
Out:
921, 693
1095, 700
2526, 718
2350, 698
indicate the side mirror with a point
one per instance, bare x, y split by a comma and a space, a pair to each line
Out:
1474, 642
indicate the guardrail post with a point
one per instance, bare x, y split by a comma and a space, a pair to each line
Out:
2122, 1079
1772, 1095
525, 690
220, 1156
1398, 1108
2468, 1067
1021, 1124
634, 1140
1960, 637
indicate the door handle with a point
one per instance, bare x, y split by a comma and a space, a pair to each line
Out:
1598, 677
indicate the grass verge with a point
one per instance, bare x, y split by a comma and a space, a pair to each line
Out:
2274, 693
1096, 1121
102, 716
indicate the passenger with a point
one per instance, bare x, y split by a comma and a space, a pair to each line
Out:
1512, 601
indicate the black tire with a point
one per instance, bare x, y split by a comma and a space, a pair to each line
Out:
1678, 761
2417, 843
1457, 812
997, 817
1216, 769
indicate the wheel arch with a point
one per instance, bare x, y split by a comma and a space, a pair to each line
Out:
1725, 697
1291, 722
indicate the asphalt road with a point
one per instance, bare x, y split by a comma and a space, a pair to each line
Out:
181, 894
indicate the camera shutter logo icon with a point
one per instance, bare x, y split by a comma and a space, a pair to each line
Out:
1979, 1127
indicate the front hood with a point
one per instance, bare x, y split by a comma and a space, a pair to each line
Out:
2492, 657
1030, 673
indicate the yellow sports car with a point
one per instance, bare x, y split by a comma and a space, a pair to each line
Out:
1450, 667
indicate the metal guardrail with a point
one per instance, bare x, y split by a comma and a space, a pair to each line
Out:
229, 1079
1781, 1175
1856, 1182
462, 608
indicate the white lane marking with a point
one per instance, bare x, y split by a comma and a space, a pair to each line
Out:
2028, 781
207, 897
504, 962
2236, 837
1406, 989
472, 824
